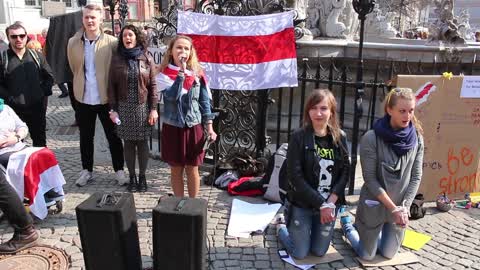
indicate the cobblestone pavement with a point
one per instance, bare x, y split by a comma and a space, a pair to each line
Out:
455, 234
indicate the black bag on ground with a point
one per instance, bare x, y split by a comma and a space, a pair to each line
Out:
107, 224
416, 209
179, 233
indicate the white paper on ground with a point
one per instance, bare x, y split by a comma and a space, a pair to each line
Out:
246, 218
301, 266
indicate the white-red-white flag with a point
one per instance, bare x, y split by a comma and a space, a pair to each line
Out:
244, 52
32, 172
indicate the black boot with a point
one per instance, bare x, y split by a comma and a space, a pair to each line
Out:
22, 239
142, 183
132, 186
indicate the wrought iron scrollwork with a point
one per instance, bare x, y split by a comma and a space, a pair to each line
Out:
241, 129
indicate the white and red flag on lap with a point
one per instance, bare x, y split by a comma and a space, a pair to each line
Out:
243, 52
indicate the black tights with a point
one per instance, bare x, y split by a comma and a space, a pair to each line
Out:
130, 148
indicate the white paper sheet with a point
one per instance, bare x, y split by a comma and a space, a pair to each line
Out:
246, 218
301, 266
470, 87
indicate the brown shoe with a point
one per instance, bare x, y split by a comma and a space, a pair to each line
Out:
22, 239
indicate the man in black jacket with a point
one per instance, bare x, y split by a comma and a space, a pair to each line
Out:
26, 80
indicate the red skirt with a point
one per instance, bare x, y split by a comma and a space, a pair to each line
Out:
182, 146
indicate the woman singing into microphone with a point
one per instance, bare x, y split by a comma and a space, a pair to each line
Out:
186, 98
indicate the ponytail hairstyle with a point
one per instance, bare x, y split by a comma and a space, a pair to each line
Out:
402, 93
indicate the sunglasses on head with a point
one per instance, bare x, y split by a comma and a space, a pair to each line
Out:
21, 36
401, 90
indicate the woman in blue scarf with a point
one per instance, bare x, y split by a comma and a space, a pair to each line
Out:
391, 156
133, 99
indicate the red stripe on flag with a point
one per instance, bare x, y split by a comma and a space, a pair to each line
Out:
245, 49
424, 91
38, 162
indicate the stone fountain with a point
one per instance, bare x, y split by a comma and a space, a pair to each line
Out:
330, 29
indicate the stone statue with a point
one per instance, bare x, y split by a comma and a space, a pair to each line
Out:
464, 29
379, 25
335, 28
350, 19
313, 18
446, 27
329, 18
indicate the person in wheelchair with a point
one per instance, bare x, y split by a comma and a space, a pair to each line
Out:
12, 133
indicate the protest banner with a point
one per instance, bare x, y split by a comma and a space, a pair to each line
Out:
449, 110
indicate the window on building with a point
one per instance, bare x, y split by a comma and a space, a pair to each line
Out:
30, 2
132, 11
68, 3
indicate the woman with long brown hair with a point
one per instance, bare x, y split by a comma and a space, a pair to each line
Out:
133, 98
317, 172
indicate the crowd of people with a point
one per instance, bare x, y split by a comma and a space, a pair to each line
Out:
115, 80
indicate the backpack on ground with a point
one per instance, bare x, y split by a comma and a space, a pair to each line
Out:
416, 209
275, 175
246, 186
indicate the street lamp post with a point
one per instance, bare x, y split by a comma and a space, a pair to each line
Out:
111, 4
363, 8
123, 12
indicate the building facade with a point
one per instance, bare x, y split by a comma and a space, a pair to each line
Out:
35, 14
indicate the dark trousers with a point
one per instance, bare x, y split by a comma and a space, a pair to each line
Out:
87, 116
34, 116
62, 88
12, 206
73, 101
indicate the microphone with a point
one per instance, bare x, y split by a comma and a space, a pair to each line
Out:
183, 59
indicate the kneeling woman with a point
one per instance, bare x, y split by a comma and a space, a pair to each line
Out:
391, 157
317, 165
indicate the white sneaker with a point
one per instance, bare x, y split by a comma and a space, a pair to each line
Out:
121, 179
85, 177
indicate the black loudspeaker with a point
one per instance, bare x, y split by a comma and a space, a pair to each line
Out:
108, 231
179, 233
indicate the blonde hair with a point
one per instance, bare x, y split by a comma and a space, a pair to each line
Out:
94, 7
333, 125
402, 93
192, 61
34, 45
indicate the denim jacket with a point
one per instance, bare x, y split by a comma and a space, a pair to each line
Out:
186, 108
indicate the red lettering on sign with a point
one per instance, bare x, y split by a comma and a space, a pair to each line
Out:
453, 183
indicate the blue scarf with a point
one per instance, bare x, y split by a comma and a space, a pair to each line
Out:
131, 55
401, 140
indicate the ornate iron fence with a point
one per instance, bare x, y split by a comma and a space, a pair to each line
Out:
243, 113
246, 122
337, 74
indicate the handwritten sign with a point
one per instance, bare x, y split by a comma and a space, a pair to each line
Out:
451, 162
156, 54
470, 87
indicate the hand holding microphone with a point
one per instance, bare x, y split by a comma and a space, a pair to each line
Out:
183, 61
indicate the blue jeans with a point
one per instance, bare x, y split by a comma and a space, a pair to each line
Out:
305, 233
387, 243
